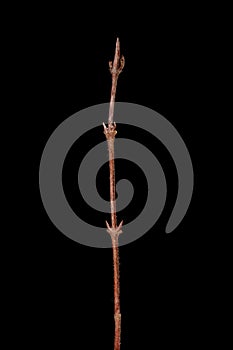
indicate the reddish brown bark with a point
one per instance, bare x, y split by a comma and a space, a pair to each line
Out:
114, 231
115, 69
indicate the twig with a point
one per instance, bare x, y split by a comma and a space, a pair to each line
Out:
114, 231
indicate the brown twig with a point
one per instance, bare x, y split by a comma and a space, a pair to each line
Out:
114, 231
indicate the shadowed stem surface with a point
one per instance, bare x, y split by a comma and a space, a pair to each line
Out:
114, 230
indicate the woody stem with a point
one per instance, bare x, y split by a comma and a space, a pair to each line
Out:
110, 132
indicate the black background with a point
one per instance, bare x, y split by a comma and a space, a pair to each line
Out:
166, 280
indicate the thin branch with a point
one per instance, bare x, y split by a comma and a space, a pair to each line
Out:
115, 68
114, 230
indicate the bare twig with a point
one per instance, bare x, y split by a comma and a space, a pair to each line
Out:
114, 231
115, 68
